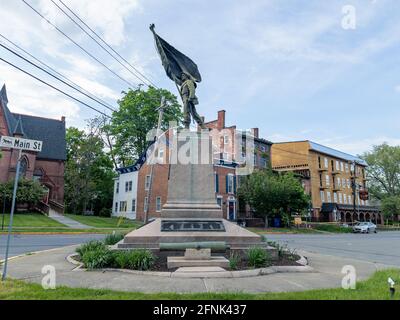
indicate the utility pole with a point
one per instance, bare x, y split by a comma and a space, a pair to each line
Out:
354, 187
148, 194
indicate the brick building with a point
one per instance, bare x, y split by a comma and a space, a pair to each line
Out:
225, 165
46, 166
328, 176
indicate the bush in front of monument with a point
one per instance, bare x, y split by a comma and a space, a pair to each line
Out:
258, 257
138, 259
97, 255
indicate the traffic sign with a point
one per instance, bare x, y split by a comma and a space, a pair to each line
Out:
22, 144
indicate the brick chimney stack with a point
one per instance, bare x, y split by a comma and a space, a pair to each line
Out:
62, 119
254, 132
221, 119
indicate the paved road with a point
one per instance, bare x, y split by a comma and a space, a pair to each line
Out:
383, 247
30, 243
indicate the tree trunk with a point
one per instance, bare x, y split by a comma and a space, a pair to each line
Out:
266, 221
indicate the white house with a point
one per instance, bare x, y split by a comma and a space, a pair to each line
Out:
125, 193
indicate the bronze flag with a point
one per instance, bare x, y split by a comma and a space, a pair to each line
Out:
175, 63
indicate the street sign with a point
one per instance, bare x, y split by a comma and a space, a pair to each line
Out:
22, 144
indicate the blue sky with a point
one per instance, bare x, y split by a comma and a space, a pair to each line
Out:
287, 67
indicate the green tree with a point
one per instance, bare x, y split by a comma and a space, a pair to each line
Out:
29, 191
89, 172
271, 194
383, 171
391, 207
137, 115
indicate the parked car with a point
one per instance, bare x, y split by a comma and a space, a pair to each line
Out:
364, 227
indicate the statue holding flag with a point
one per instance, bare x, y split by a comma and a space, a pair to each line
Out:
184, 72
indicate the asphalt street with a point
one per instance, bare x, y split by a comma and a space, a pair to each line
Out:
21, 244
382, 247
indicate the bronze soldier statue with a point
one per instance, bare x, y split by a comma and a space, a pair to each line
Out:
189, 99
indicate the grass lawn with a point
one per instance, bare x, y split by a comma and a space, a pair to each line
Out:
331, 228
29, 220
101, 222
281, 230
375, 288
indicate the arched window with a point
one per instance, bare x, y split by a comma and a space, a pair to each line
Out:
23, 167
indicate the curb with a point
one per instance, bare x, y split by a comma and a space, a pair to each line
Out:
225, 274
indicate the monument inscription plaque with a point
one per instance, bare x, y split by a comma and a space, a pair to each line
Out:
192, 226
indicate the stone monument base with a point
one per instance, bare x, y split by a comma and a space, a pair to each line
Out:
150, 236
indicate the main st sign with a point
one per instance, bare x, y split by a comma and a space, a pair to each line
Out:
19, 143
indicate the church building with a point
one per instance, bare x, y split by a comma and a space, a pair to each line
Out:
47, 166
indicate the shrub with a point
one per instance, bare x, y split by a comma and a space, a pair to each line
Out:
100, 257
257, 257
138, 259
90, 246
105, 212
234, 260
113, 238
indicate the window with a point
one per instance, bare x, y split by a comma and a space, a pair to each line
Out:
328, 196
147, 182
230, 187
219, 201
344, 182
161, 154
340, 198
116, 207
342, 166
319, 162
126, 186
338, 182
344, 199
320, 180
134, 205
117, 188
350, 199
158, 204
348, 183
225, 156
335, 197
226, 139
322, 194
337, 165
122, 206
23, 167
347, 167
326, 163
327, 180
146, 200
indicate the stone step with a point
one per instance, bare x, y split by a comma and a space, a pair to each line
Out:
199, 269
177, 262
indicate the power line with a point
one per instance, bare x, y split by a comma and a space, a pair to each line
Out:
40, 68
55, 88
143, 78
77, 44
55, 71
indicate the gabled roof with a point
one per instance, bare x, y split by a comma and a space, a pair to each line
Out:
50, 131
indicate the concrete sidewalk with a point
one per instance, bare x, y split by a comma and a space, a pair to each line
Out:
67, 221
327, 275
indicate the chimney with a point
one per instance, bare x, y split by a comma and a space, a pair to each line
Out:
254, 132
62, 119
221, 119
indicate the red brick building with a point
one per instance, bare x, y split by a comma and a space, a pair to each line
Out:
225, 164
46, 166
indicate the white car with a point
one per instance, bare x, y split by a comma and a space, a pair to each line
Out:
364, 227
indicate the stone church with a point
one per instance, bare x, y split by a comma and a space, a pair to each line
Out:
47, 166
